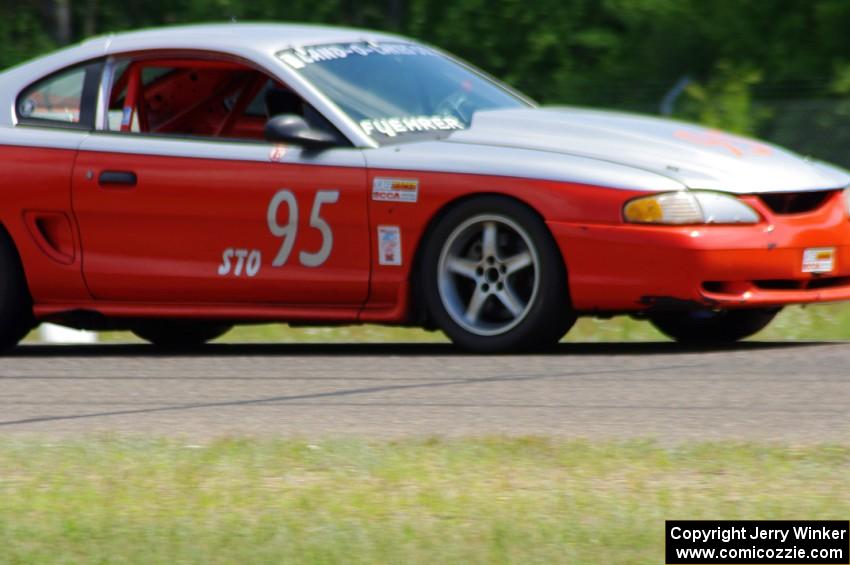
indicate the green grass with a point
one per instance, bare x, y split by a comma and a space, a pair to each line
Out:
417, 501
821, 322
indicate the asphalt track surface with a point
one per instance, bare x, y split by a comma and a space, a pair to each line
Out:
789, 392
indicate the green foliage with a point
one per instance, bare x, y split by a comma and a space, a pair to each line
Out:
773, 68
726, 99
22, 35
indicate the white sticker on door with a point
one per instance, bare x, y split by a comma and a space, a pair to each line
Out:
395, 190
389, 245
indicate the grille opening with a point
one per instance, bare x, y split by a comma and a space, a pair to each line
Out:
808, 284
795, 202
780, 284
738, 287
828, 282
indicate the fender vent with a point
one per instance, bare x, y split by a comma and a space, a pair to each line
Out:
53, 234
795, 202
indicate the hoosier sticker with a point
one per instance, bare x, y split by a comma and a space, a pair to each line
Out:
395, 190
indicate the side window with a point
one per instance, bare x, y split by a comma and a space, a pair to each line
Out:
198, 97
185, 97
257, 106
273, 100
189, 97
63, 99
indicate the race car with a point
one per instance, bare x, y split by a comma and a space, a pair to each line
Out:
178, 181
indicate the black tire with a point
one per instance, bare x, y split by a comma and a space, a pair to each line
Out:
179, 334
522, 308
16, 316
708, 326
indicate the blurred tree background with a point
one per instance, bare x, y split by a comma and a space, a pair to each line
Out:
778, 69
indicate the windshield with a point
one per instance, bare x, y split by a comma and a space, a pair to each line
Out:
398, 91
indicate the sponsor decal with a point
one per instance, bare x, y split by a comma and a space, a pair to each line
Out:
395, 190
389, 245
819, 260
277, 153
301, 57
391, 127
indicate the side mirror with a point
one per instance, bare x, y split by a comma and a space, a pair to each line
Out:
294, 129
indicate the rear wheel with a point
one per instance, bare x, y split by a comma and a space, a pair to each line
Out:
171, 334
16, 318
493, 278
709, 326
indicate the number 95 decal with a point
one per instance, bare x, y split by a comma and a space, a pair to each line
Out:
287, 233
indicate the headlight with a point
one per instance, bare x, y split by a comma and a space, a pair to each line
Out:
691, 207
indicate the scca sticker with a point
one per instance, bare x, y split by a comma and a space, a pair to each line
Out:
391, 127
395, 190
389, 245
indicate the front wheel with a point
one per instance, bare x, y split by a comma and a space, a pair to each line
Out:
178, 334
710, 326
493, 278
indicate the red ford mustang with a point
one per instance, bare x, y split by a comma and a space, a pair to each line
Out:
176, 182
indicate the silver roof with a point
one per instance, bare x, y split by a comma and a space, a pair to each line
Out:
251, 41
256, 38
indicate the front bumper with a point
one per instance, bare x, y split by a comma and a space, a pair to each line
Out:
631, 268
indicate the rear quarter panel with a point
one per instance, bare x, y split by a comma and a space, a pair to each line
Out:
35, 182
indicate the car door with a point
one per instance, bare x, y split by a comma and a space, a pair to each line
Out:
181, 201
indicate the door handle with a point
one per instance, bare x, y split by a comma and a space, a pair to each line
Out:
117, 178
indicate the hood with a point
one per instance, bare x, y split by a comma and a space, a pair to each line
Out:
698, 157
